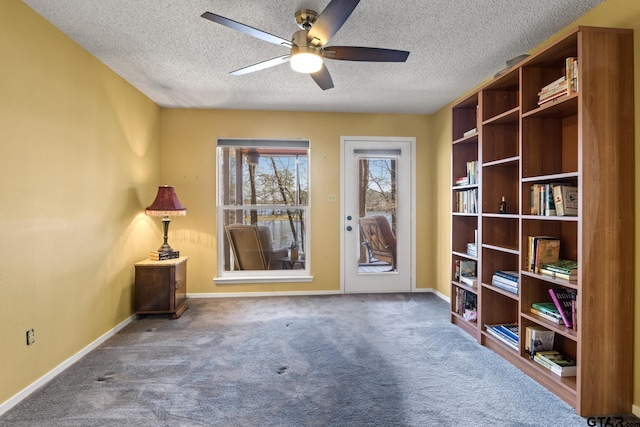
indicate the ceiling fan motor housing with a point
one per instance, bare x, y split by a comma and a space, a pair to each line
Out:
305, 18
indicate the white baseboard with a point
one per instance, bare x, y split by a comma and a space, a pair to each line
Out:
291, 294
635, 410
14, 400
262, 294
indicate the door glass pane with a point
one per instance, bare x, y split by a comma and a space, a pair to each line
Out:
377, 212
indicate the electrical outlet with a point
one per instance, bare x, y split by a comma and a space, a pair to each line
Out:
31, 337
333, 198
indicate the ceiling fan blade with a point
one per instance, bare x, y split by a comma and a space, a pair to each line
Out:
261, 65
323, 78
330, 21
253, 32
371, 54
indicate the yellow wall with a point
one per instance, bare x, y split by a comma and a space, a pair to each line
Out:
611, 13
80, 160
188, 163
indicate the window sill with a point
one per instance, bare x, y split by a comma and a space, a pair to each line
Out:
263, 279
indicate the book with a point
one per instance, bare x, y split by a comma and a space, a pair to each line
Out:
470, 132
510, 329
562, 299
548, 308
565, 199
550, 318
509, 275
537, 339
570, 277
547, 252
469, 280
467, 268
161, 256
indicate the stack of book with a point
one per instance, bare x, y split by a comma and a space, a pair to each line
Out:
547, 311
507, 280
565, 85
507, 333
161, 256
463, 180
553, 90
469, 280
562, 269
556, 363
472, 249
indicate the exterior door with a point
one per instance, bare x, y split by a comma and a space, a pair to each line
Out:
377, 211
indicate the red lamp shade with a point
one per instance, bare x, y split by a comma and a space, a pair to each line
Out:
166, 203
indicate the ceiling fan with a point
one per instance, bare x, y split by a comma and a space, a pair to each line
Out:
307, 46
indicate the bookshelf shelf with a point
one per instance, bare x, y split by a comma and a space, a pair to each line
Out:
523, 146
508, 117
511, 250
502, 162
507, 294
561, 282
470, 139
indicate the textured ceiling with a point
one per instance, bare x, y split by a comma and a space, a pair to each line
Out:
178, 59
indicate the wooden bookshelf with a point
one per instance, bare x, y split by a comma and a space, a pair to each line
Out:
583, 139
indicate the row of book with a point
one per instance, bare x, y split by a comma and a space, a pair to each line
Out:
162, 256
467, 201
466, 304
565, 85
562, 310
507, 333
506, 280
471, 178
554, 200
542, 251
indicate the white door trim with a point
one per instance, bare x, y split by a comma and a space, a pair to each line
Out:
412, 224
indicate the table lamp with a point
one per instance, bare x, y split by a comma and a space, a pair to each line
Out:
166, 205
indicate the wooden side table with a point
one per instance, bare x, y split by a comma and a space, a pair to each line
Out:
161, 287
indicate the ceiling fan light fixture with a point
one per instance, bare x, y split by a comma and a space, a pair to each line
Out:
306, 62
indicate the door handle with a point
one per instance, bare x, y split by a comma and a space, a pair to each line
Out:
349, 228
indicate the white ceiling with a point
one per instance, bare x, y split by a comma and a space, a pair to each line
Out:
178, 59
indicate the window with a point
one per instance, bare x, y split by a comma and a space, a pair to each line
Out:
263, 209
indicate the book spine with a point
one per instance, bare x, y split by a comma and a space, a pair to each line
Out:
566, 317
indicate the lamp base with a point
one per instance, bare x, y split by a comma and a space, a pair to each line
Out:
165, 248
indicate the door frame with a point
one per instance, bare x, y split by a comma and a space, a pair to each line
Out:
412, 225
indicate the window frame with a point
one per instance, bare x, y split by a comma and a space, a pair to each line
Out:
259, 276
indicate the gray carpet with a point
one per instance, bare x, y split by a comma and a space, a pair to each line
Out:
349, 360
